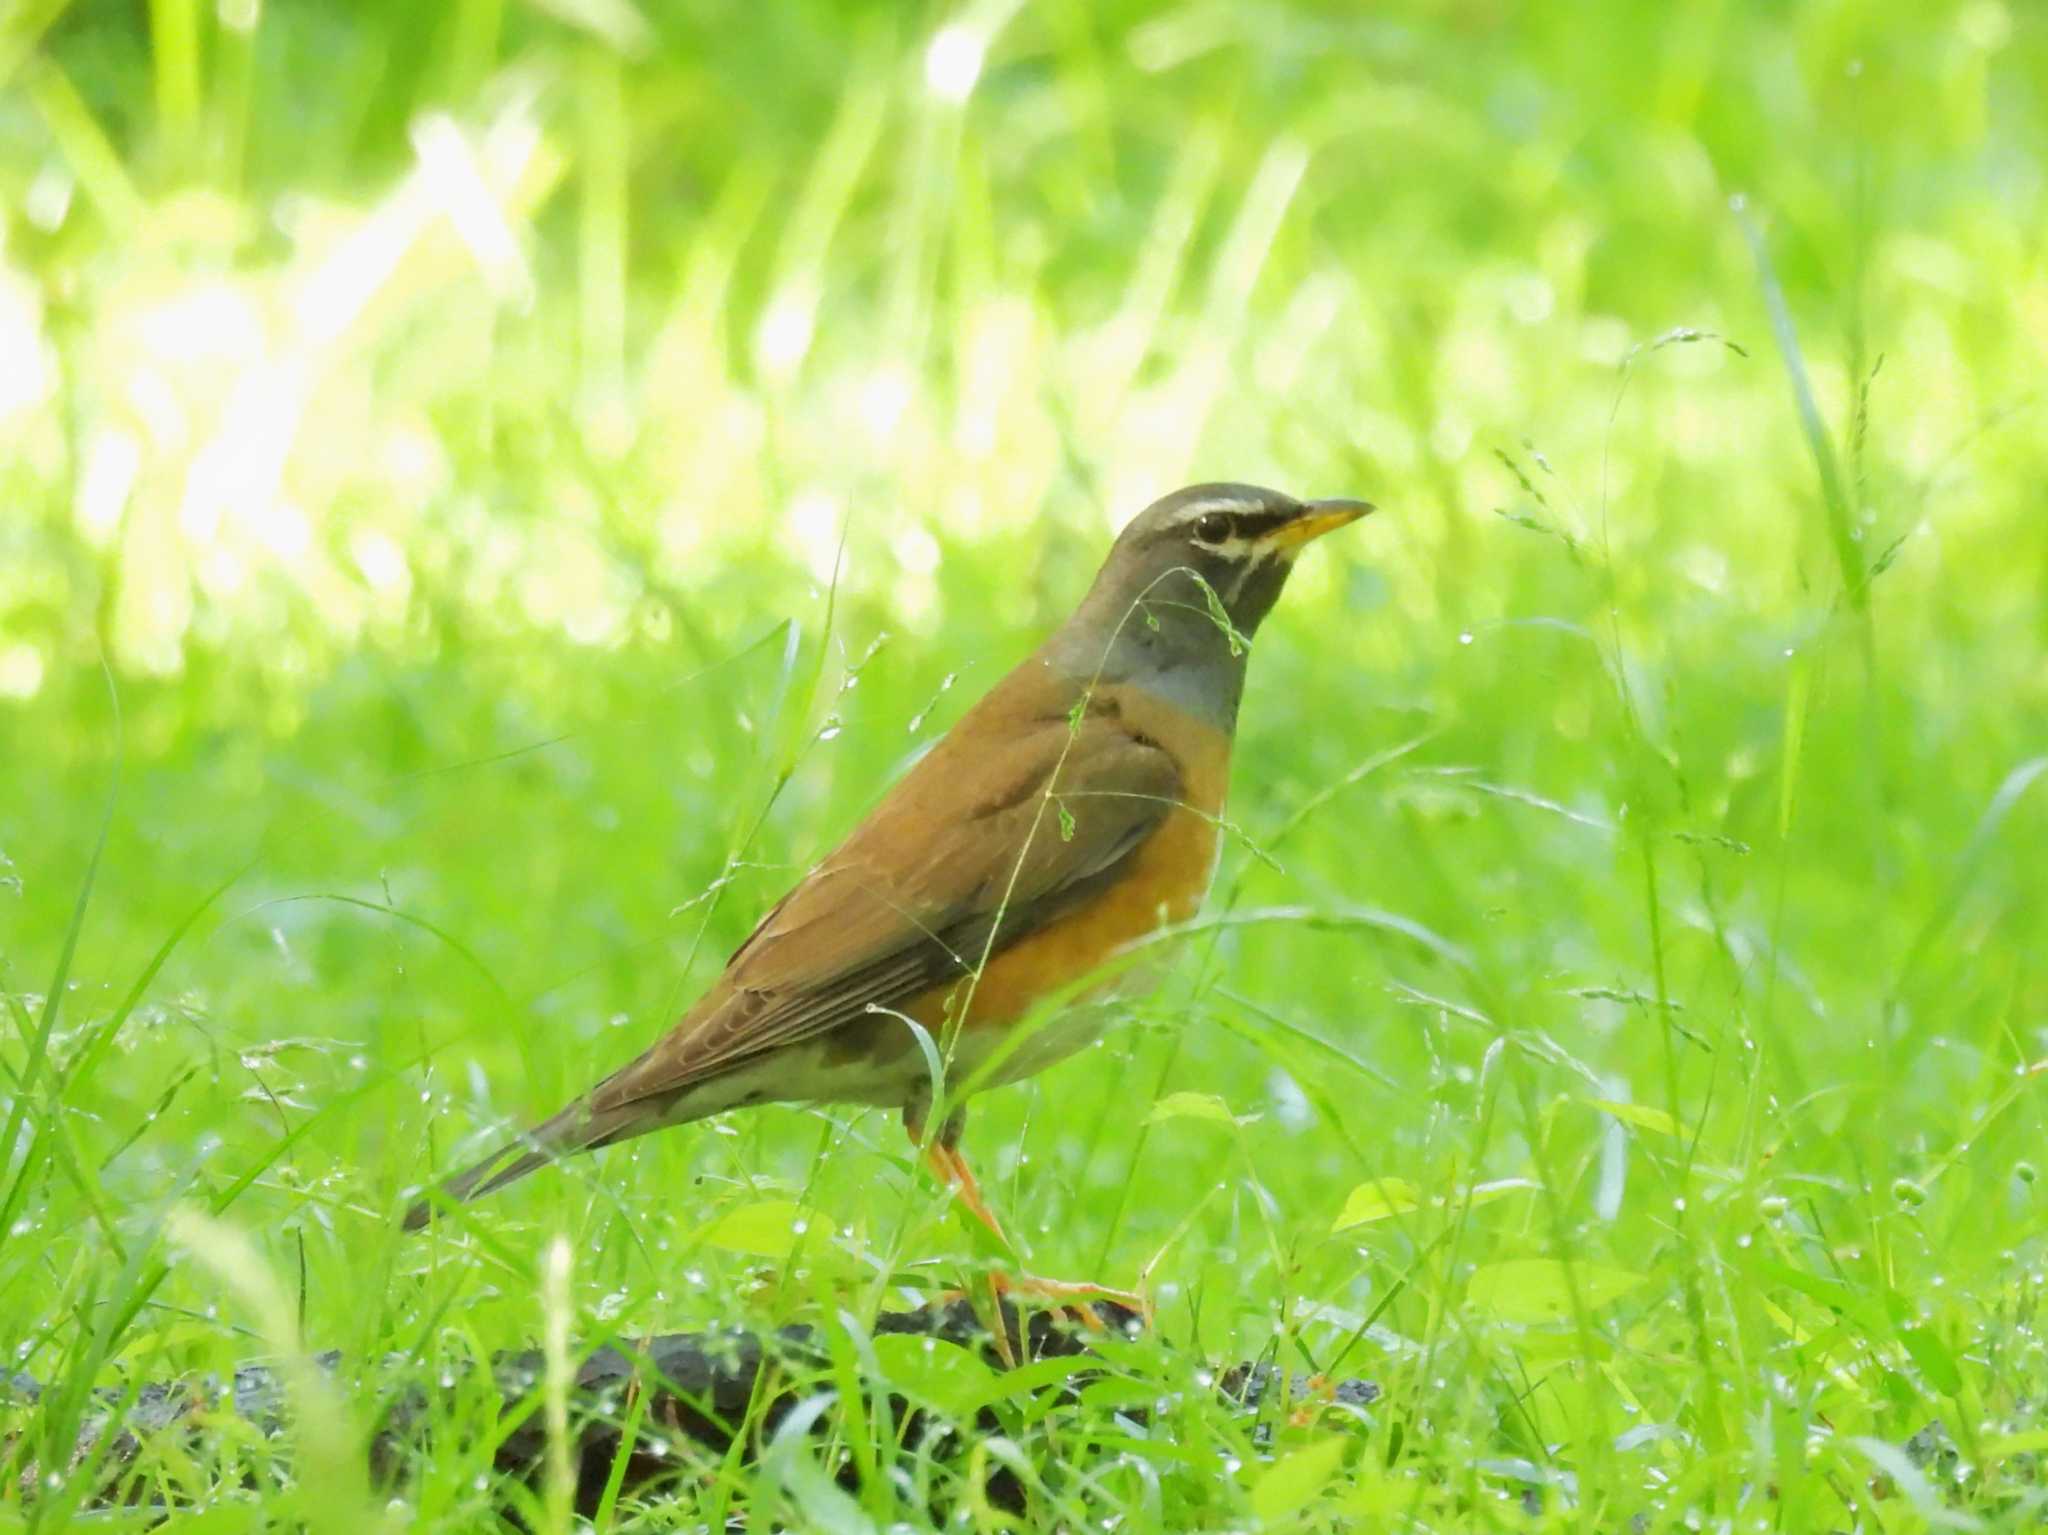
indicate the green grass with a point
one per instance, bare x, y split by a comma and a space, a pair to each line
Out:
1620, 1027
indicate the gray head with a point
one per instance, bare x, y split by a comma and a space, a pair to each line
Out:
1185, 588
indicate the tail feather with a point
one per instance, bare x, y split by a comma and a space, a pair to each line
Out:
576, 1128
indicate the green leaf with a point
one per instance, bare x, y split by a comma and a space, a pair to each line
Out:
1924, 1347
1540, 1289
1377, 1200
1637, 1114
1194, 1106
1498, 1188
937, 1374
1009, 1385
2031, 1442
1295, 1479
1112, 1393
1851, 1305
1382, 1197
774, 1228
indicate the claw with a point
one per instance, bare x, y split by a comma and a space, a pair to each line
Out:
1074, 1297
994, 1301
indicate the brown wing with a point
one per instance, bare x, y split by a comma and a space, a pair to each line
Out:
949, 867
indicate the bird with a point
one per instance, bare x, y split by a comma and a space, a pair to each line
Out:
1069, 814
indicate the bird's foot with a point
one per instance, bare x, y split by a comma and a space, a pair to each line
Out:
1081, 1302
1074, 1297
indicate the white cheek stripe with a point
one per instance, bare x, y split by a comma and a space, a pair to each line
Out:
1260, 554
1248, 554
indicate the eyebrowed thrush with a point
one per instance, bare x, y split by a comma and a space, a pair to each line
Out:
1070, 813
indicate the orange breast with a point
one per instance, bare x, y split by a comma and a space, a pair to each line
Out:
1166, 880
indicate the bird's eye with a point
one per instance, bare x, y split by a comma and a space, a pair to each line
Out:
1212, 528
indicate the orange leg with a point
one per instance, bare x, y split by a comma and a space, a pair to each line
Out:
942, 1155
952, 1170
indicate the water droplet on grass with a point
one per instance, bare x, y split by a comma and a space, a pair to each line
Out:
917, 720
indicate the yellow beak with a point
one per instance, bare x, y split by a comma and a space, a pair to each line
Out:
1316, 519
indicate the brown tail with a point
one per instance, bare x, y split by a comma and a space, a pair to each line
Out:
576, 1128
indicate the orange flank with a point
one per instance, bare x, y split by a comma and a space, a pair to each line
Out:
1169, 875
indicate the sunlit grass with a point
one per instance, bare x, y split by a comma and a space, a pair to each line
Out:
533, 477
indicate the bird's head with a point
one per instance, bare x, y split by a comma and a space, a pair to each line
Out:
1190, 578
1240, 541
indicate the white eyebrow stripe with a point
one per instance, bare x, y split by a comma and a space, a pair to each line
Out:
1196, 509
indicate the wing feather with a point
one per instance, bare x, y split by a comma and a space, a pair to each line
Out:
936, 877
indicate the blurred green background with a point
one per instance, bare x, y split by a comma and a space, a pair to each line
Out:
489, 491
